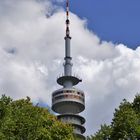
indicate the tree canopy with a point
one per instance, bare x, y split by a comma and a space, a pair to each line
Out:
21, 120
125, 123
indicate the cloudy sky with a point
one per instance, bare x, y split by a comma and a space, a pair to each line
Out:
32, 50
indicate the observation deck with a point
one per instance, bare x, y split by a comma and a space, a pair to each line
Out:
68, 100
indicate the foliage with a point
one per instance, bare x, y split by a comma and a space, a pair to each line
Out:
103, 134
21, 120
125, 124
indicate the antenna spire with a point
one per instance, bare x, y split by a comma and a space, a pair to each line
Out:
67, 19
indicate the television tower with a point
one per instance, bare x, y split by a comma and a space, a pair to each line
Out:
69, 101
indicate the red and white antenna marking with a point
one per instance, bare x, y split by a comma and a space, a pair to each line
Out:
67, 9
67, 20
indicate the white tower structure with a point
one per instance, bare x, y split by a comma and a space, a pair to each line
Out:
69, 101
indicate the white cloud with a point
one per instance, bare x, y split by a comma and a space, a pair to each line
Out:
32, 50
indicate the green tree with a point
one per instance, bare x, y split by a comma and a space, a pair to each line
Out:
136, 107
103, 134
21, 120
125, 123
136, 104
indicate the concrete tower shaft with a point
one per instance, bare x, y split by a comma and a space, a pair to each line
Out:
68, 58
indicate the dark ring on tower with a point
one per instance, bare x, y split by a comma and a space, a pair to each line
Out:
67, 21
82, 119
67, 36
80, 136
74, 80
82, 128
68, 57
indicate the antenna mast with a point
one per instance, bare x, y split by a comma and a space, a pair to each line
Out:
67, 19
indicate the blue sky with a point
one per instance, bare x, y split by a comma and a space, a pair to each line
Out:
112, 20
